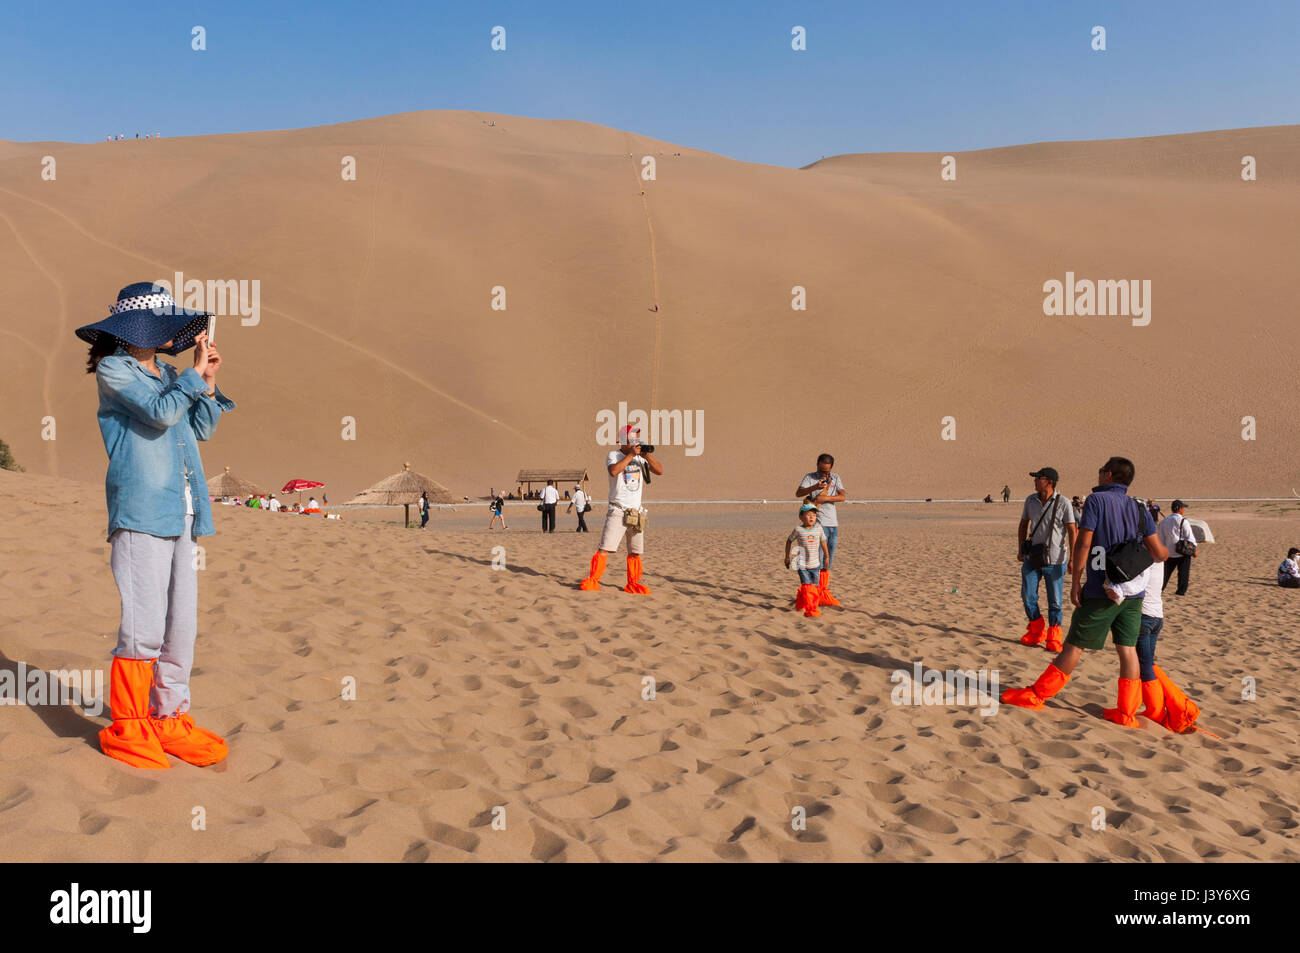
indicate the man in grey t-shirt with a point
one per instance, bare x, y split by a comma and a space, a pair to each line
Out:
1046, 520
824, 488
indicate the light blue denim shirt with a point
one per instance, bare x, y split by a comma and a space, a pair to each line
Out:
151, 430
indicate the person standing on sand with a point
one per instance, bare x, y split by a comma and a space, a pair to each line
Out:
1044, 554
152, 418
624, 515
580, 501
1174, 529
1006, 493
498, 507
424, 508
550, 496
824, 489
1110, 517
805, 552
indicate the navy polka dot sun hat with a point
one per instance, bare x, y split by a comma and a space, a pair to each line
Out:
146, 315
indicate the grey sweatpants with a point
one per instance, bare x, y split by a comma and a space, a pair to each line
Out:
159, 585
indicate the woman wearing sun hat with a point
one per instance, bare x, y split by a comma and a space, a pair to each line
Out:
152, 418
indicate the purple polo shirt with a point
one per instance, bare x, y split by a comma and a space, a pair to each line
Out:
1113, 518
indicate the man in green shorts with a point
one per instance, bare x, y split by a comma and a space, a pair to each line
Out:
1109, 517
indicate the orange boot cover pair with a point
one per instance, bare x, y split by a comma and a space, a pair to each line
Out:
592, 582
1180, 711
143, 741
824, 597
1034, 634
634, 577
1048, 684
1125, 712
1053, 643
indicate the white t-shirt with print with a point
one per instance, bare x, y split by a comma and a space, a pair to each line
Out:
625, 488
550, 494
807, 551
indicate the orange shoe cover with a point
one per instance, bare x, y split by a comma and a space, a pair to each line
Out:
1153, 696
824, 596
592, 582
1180, 711
801, 599
810, 601
183, 739
1034, 634
131, 737
1130, 696
634, 577
1049, 683
1053, 639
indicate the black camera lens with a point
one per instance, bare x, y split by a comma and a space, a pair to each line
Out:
647, 448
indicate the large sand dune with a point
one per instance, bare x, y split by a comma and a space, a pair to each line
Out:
924, 300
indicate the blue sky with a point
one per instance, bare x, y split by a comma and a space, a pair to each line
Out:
876, 77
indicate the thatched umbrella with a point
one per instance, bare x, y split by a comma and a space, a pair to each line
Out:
403, 489
227, 484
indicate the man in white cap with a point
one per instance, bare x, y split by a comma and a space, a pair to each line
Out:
627, 467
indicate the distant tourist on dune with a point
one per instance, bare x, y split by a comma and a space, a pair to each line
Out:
152, 418
1006, 493
1177, 536
424, 509
824, 488
806, 553
580, 501
627, 467
1045, 548
1288, 574
1120, 529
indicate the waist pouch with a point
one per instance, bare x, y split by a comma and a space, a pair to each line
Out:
635, 519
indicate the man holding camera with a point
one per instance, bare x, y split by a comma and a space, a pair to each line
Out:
824, 488
628, 468
1043, 554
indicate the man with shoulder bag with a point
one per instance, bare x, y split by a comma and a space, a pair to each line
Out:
629, 470
1045, 552
1176, 535
1117, 541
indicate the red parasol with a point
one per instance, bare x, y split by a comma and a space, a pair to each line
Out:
297, 486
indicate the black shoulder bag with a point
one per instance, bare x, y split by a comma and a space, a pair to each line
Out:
1036, 553
1127, 560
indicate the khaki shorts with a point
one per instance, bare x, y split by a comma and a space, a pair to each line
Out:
612, 534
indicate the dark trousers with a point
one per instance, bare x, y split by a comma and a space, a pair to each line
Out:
1291, 582
424, 518
548, 517
582, 522
1184, 566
